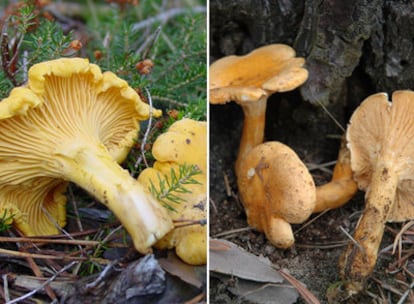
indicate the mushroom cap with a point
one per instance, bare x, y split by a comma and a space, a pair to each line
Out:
274, 182
185, 142
67, 104
381, 131
262, 72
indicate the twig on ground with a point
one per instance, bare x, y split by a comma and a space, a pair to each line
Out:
398, 238
387, 287
165, 16
308, 296
6, 295
147, 131
186, 223
46, 283
75, 209
322, 167
173, 102
323, 246
332, 117
233, 231
102, 276
227, 184
196, 299
18, 254
351, 238
48, 241
36, 270
149, 43
306, 224
213, 205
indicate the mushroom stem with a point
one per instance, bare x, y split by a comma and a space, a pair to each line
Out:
358, 261
342, 186
253, 128
279, 232
95, 171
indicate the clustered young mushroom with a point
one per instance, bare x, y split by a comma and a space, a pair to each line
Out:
274, 185
185, 143
380, 139
73, 123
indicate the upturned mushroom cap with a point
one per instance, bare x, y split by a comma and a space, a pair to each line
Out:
185, 143
73, 123
262, 72
380, 141
381, 131
249, 80
276, 190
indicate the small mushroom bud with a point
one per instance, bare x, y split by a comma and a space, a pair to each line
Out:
145, 66
98, 54
76, 45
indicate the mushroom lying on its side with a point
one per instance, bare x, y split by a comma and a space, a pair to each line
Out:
72, 123
277, 190
380, 139
185, 143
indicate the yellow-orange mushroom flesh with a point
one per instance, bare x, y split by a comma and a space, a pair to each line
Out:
73, 123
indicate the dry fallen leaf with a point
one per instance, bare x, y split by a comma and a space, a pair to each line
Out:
175, 266
257, 281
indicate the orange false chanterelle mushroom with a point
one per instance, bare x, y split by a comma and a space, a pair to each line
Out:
277, 190
380, 139
249, 80
342, 186
73, 123
274, 194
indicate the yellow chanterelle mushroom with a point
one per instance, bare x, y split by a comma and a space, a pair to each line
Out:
73, 123
185, 143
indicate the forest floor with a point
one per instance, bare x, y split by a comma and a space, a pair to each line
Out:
313, 260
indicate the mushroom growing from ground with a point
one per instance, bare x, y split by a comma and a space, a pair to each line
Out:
184, 144
72, 123
249, 80
380, 139
274, 194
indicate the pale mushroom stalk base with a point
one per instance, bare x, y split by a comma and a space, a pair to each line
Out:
253, 128
94, 170
358, 261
